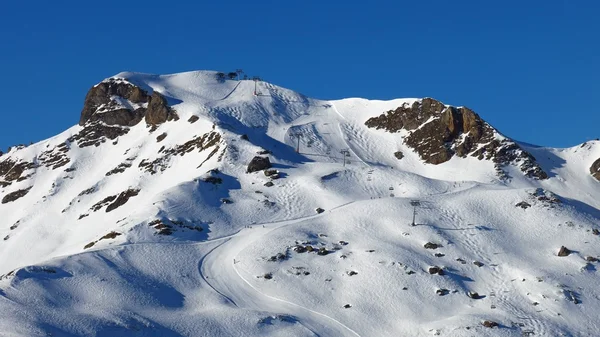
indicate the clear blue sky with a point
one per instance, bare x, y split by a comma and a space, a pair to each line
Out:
530, 68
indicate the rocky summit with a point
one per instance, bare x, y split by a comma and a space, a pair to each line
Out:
197, 204
437, 132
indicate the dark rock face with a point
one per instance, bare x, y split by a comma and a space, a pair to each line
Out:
114, 105
158, 111
564, 251
100, 98
438, 132
122, 199
10, 197
258, 164
11, 171
595, 169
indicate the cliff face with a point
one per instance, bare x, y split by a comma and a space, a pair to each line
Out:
438, 132
595, 169
114, 105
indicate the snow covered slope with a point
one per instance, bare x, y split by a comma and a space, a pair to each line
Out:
146, 219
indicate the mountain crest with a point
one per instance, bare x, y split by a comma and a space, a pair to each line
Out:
438, 132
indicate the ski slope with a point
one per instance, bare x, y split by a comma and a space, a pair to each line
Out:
194, 242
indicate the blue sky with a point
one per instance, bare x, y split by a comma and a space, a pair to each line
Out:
530, 68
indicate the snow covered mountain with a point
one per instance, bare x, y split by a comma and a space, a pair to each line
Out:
191, 205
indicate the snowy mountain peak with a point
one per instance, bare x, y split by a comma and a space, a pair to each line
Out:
184, 201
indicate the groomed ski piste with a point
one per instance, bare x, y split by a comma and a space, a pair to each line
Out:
203, 248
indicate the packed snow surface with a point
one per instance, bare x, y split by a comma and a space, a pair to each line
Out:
206, 249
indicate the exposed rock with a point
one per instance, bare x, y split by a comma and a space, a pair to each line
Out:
110, 235
489, 324
596, 231
258, 164
564, 251
442, 292
591, 259
323, 251
351, 273
474, 295
200, 143
99, 104
122, 199
438, 132
193, 119
96, 133
158, 111
595, 169
436, 270
269, 184
399, 155
10, 197
478, 264
431, 245
11, 171
161, 137
119, 169
269, 173
319, 210
523, 205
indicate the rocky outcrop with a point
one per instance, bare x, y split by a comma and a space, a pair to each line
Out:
158, 110
258, 164
10, 197
14, 171
101, 103
438, 132
595, 169
114, 105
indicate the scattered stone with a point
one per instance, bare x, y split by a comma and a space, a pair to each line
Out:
474, 295
193, 119
319, 210
268, 276
278, 257
351, 273
461, 261
310, 248
323, 251
370, 250
523, 205
478, 264
269, 173
436, 270
226, 201
300, 249
431, 245
591, 259
269, 184
439, 255
404, 288
343, 243
399, 155
564, 251
258, 164
110, 235
442, 292
347, 306
596, 231
489, 324
161, 137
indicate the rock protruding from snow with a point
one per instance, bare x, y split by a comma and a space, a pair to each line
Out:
595, 169
438, 132
158, 111
258, 163
101, 103
564, 251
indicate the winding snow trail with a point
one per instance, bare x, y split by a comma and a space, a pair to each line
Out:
219, 272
